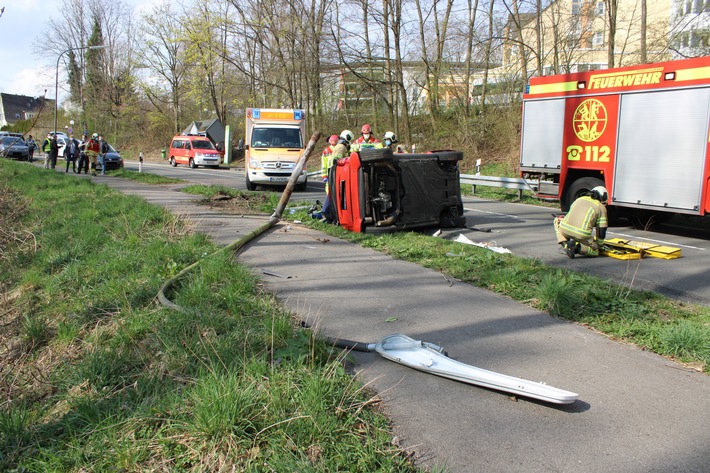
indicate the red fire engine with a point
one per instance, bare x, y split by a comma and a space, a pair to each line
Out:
641, 131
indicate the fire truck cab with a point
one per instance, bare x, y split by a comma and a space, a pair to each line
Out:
641, 131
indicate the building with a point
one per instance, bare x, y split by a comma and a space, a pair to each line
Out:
14, 108
690, 28
574, 36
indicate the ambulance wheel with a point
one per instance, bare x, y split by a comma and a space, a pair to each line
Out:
192, 164
250, 185
579, 188
302, 187
172, 162
369, 155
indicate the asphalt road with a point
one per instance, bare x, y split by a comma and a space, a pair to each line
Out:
527, 231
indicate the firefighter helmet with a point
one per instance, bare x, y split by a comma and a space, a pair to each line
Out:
599, 193
390, 136
95, 136
366, 129
347, 135
333, 140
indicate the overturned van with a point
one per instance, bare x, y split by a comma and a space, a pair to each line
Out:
375, 189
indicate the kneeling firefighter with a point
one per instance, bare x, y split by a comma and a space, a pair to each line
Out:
587, 215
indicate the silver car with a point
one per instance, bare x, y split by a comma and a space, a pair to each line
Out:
14, 147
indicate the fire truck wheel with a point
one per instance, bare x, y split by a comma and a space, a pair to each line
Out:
250, 185
172, 162
192, 163
579, 188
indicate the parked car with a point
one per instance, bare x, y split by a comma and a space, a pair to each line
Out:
194, 150
113, 158
14, 147
61, 144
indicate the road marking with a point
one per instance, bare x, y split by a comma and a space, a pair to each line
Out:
662, 242
491, 213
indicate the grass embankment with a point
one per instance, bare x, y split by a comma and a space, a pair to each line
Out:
97, 377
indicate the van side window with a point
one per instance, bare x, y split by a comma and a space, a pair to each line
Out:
187, 145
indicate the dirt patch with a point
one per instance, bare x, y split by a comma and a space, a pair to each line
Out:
240, 204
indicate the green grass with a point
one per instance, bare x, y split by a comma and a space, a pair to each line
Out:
667, 327
97, 377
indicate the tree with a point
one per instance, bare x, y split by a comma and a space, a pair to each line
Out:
162, 54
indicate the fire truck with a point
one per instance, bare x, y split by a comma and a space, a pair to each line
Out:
275, 140
641, 131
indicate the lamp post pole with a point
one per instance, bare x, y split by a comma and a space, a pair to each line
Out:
56, 80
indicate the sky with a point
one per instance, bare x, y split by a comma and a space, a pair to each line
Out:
23, 71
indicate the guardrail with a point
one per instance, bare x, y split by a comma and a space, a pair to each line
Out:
490, 181
494, 181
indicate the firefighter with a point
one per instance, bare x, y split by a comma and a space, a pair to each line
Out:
92, 151
366, 139
326, 164
340, 151
390, 140
575, 231
327, 159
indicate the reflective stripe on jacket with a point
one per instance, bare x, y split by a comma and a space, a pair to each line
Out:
584, 215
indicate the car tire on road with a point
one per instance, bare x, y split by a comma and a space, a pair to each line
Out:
172, 162
192, 164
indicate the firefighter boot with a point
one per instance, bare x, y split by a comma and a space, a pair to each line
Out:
571, 248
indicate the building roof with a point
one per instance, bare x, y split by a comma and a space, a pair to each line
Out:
14, 108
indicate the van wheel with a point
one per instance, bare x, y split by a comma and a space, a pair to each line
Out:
192, 164
250, 185
302, 187
172, 162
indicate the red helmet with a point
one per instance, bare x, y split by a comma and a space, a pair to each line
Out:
333, 140
366, 129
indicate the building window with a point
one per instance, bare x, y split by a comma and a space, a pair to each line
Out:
598, 39
577, 6
599, 8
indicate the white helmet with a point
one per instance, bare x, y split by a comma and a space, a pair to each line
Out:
599, 193
391, 136
347, 135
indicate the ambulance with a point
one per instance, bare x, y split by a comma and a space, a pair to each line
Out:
274, 139
640, 131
